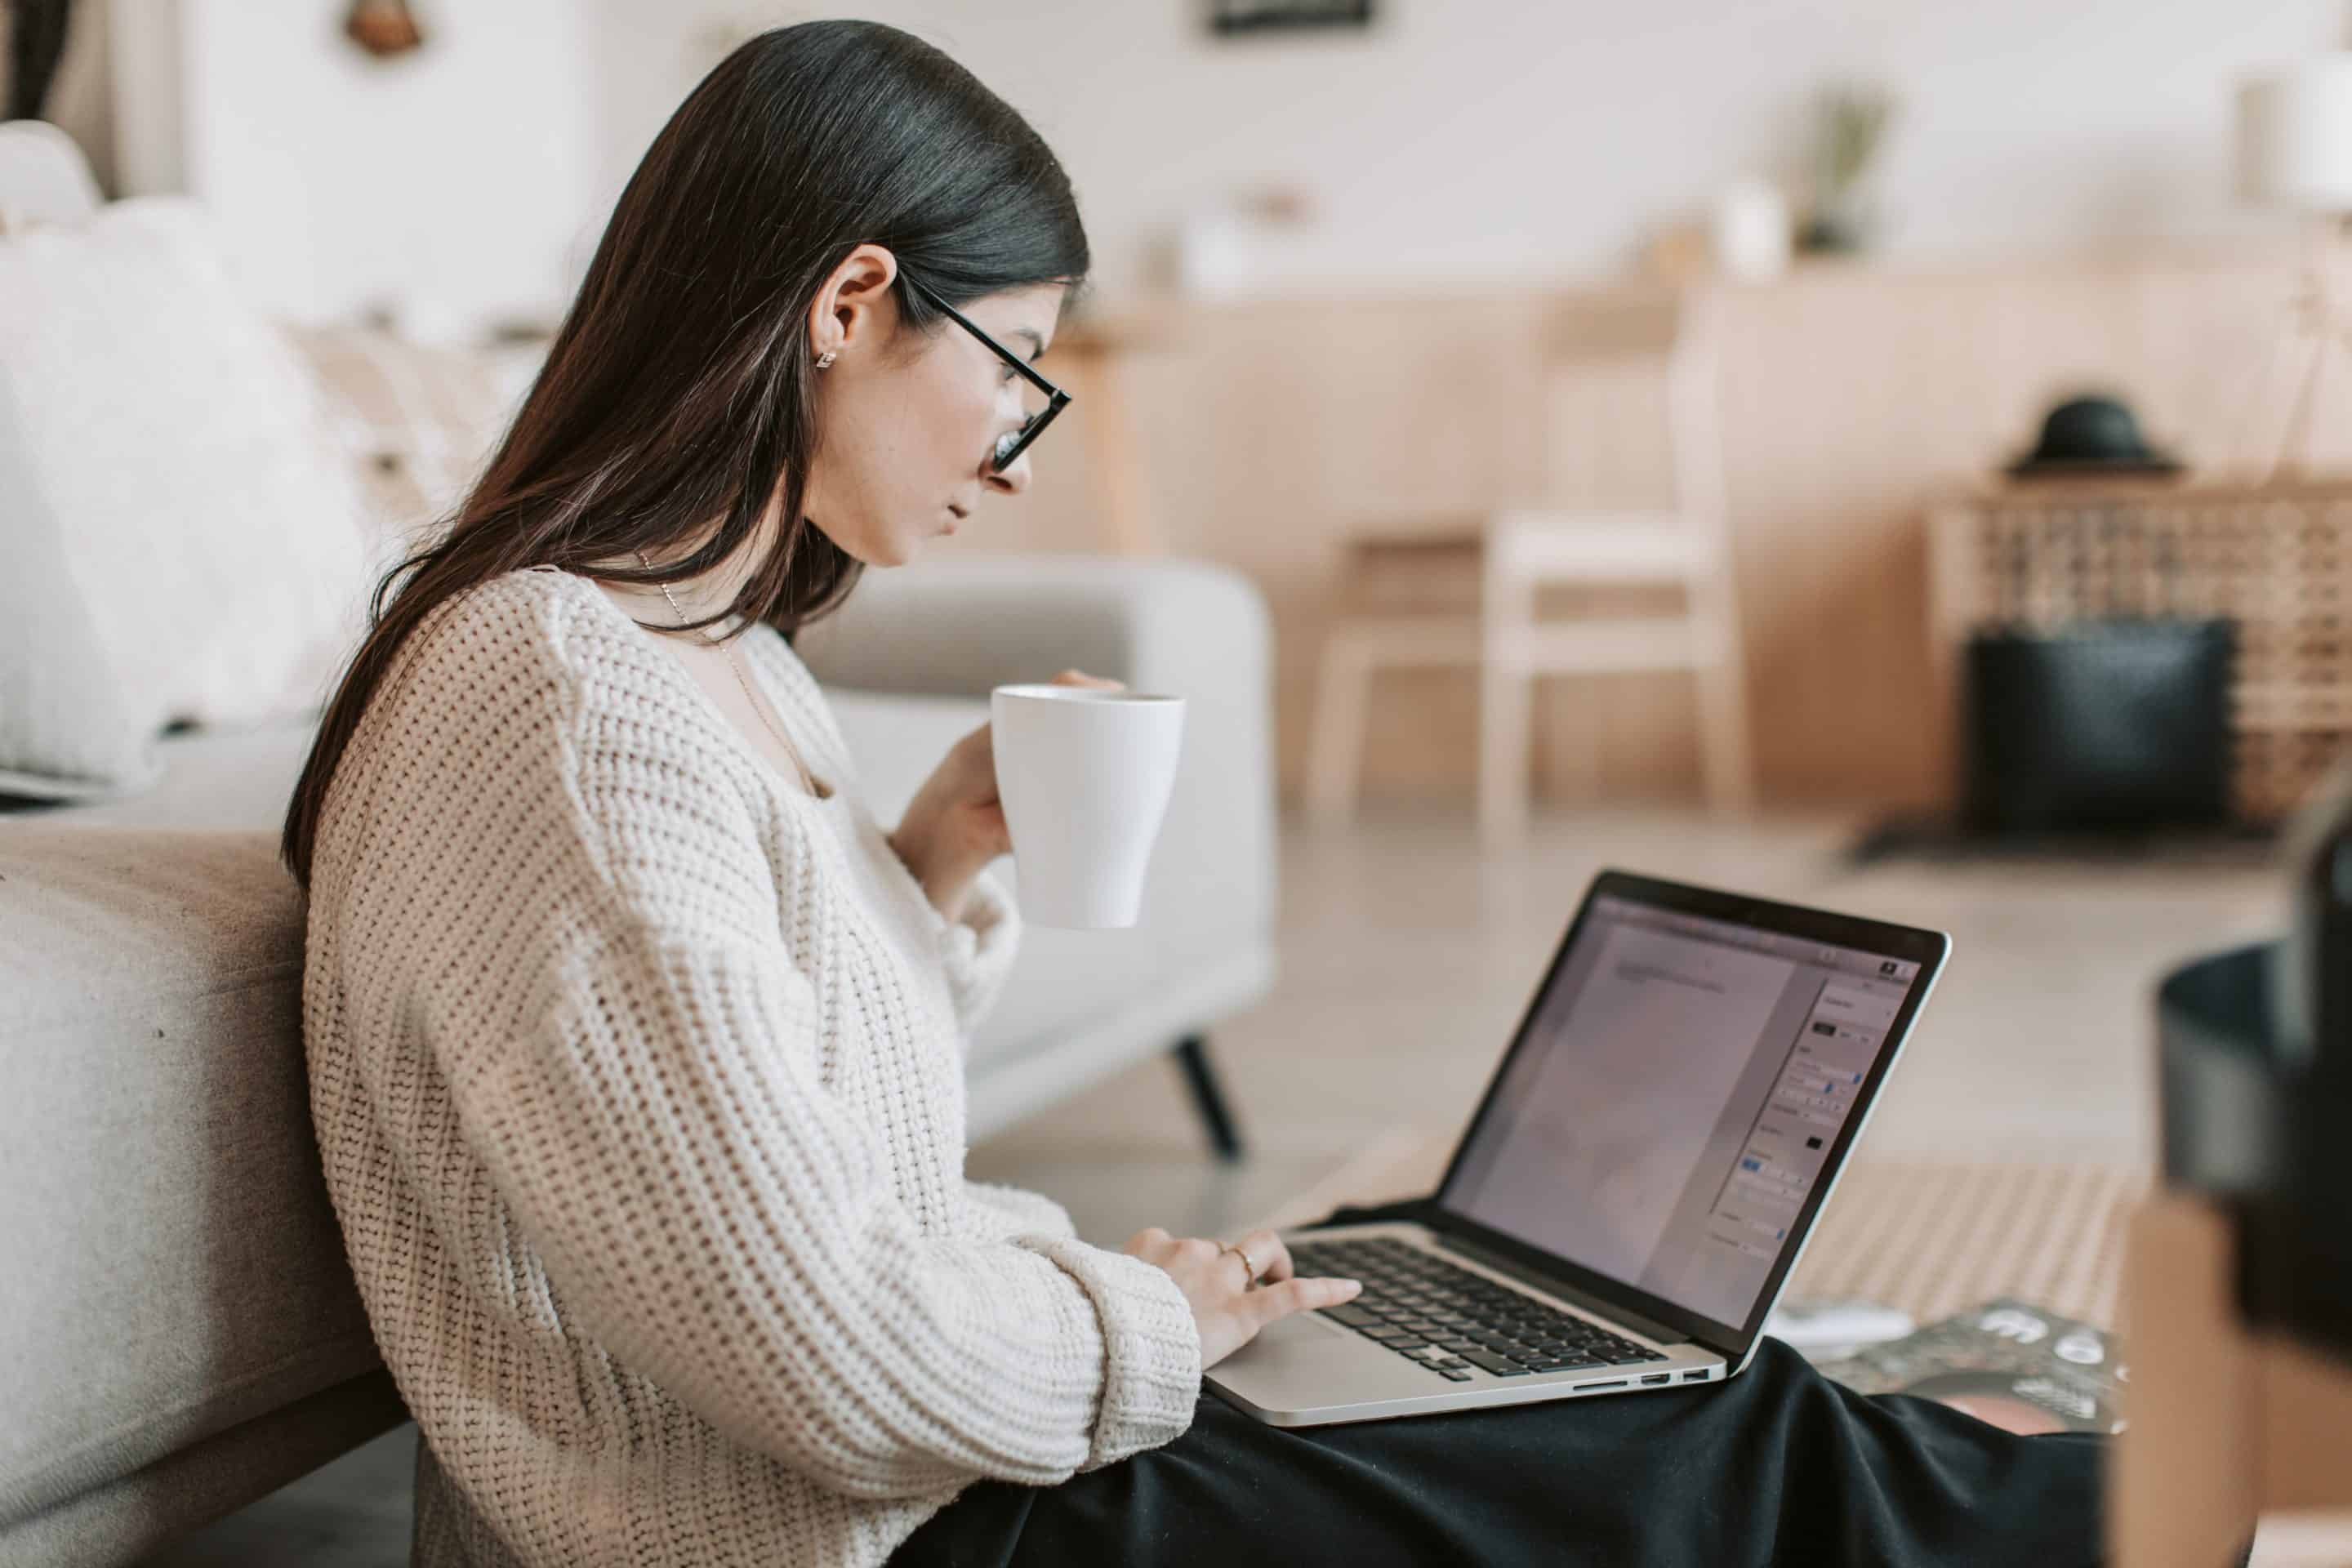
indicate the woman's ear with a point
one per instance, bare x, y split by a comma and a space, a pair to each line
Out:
854, 311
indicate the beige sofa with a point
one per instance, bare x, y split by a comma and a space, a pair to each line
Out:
179, 1333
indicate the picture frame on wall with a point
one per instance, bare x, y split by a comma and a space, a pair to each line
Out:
1229, 19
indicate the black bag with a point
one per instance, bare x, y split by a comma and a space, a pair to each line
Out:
2105, 724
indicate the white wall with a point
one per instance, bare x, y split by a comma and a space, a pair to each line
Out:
456, 182
1460, 139
1508, 137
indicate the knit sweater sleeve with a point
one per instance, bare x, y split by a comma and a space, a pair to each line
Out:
977, 949
1017, 1211
705, 1212
632, 1050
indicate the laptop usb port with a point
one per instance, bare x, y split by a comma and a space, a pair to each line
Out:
1661, 1377
1698, 1376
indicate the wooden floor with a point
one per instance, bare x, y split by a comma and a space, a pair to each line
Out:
1407, 956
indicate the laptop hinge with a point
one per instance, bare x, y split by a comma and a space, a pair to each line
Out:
1539, 1281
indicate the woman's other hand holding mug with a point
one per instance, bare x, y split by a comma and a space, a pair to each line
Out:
955, 824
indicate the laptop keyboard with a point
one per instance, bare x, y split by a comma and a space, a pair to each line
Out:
1452, 1320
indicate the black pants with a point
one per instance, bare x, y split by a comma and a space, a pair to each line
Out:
1779, 1466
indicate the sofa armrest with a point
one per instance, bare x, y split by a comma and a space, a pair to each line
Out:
1196, 631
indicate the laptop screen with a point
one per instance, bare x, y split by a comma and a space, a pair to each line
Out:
1676, 1098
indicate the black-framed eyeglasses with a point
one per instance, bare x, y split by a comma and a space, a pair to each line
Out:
1012, 443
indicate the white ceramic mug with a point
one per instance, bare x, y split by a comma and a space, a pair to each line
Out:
1085, 776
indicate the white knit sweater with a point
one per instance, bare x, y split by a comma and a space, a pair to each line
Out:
638, 1075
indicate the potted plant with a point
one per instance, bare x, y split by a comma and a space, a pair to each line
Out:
1850, 125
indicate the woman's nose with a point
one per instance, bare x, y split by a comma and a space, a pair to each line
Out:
1012, 481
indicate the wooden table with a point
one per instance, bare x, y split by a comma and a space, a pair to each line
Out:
2224, 1424
1089, 358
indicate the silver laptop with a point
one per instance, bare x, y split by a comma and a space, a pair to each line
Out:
1639, 1181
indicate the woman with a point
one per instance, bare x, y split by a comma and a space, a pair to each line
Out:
637, 1044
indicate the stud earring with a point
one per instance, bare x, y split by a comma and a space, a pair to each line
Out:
824, 359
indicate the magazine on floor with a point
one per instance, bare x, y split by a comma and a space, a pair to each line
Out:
2005, 1361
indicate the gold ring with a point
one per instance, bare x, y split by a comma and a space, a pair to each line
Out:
1245, 1262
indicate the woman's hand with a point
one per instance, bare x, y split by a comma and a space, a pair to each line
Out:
955, 824
1227, 1311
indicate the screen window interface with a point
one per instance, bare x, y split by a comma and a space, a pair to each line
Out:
1674, 1106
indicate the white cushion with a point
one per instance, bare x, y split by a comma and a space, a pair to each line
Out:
178, 542
44, 178
414, 424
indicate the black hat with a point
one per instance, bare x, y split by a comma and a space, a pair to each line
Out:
2092, 436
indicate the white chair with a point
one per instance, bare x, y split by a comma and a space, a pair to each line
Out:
1597, 354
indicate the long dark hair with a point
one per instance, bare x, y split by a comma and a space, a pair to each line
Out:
679, 388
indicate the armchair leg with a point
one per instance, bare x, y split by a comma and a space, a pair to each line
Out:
1208, 1095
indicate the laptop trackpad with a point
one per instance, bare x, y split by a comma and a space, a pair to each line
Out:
1304, 1359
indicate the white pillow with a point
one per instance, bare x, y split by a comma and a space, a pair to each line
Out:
177, 541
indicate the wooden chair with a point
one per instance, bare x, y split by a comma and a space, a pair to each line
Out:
1601, 355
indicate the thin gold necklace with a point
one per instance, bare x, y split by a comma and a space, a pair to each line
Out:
743, 679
